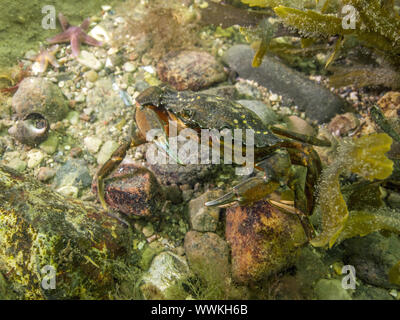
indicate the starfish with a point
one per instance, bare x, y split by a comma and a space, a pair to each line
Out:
75, 35
45, 57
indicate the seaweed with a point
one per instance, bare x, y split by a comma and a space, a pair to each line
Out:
366, 157
376, 26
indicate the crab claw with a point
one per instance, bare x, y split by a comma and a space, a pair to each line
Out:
246, 192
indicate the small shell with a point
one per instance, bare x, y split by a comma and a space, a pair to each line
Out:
30, 131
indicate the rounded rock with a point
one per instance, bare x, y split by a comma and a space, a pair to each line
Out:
190, 70
263, 240
38, 95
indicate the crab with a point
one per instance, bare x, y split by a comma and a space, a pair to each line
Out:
275, 149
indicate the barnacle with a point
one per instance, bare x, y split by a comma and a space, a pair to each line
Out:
366, 157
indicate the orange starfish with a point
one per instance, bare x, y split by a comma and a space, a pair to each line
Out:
45, 57
75, 35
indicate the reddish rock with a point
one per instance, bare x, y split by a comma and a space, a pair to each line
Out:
193, 70
263, 240
133, 190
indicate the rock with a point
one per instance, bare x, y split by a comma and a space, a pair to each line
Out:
264, 112
204, 218
165, 270
45, 173
390, 104
193, 70
35, 157
105, 100
92, 144
299, 125
38, 95
89, 60
17, 164
148, 230
69, 191
318, 102
343, 124
372, 257
106, 151
74, 173
365, 292
91, 76
129, 67
331, 289
50, 145
263, 240
73, 116
133, 190
206, 252
40, 227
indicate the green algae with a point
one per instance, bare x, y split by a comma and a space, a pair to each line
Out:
376, 26
93, 255
366, 157
21, 24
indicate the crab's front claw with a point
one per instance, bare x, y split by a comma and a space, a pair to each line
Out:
246, 192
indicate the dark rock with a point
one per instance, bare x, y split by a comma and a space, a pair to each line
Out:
133, 190
193, 70
318, 102
38, 95
263, 240
365, 292
372, 257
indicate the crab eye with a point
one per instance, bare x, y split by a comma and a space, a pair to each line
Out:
186, 114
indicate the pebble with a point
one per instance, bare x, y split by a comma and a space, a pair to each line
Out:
35, 157
92, 144
69, 191
89, 60
50, 144
129, 67
45, 173
106, 151
165, 270
148, 230
91, 76
204, 218
17, 164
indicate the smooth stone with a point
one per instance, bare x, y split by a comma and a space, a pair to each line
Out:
318, 102
92, 144
35, 157
106, 151
50, 144
264, 112
129, 67
165, 270
69, 191
89, 60
17, 164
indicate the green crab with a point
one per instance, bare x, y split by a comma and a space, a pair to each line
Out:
275, 149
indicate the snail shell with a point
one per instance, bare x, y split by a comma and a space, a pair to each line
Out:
32, 130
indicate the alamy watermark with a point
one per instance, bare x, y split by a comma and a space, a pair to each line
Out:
189, 148
49, 277
49, 20
349, 280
